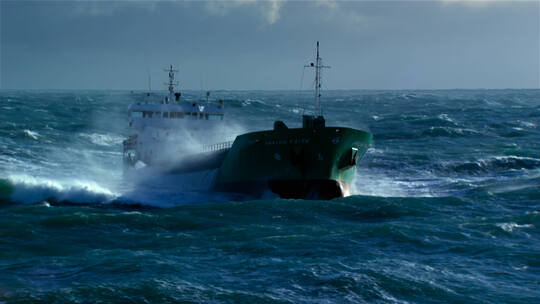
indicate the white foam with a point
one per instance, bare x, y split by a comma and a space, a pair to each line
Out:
370, 183
103, 139
30, 189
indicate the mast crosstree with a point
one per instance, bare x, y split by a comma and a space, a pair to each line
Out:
318, 66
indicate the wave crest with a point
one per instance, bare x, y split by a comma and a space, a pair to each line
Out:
27, 189
497, 163
449, 132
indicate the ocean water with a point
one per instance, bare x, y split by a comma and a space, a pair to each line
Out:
445, 207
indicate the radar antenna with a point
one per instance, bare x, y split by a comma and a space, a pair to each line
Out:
318, 66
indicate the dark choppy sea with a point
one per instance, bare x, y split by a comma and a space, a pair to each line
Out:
446, 206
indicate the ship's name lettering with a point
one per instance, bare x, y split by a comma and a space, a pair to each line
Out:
287, 141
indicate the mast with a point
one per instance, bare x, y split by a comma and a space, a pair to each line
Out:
171, 82
318, 66
317, 82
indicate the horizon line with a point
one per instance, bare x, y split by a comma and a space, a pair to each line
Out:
268, 90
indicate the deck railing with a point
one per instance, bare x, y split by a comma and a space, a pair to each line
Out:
218, 146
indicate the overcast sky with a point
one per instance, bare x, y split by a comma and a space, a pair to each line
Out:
265, 44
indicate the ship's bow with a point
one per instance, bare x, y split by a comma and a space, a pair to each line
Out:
313, 163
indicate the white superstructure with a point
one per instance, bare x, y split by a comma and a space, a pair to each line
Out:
164, 132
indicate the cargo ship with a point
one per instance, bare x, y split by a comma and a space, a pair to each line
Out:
312, 162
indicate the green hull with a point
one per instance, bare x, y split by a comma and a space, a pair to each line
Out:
294, 163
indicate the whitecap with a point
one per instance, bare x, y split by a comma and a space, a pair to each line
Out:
32, 134
515, 157
445, 117
509, 227
374, 151
527, 124
520, 268
248, 102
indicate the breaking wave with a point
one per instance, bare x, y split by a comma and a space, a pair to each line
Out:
27, 189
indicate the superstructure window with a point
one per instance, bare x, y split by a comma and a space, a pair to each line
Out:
165, 114
136, 114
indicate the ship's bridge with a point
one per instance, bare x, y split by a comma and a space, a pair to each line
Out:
176, 111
